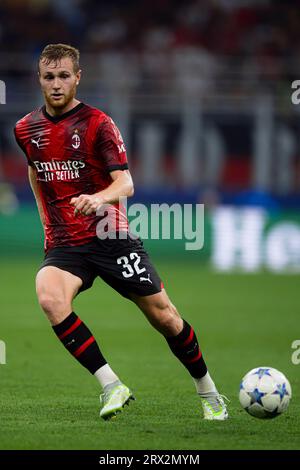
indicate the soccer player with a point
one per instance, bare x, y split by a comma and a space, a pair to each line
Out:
77, 164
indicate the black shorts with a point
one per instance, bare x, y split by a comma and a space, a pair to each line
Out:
122, 263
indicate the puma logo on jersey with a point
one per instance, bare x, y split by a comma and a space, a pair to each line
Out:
36, 142
146, 279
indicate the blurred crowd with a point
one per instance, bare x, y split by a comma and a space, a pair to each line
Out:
205, 49
258, 37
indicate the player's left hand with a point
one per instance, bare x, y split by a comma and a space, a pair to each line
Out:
86, 203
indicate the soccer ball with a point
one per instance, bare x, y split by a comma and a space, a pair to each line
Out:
265, 392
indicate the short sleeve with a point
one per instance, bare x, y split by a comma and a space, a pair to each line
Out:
110, 147
22, 146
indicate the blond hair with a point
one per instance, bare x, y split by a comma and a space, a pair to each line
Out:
56, 52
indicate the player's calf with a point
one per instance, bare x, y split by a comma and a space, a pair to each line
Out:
160, 312
183, 342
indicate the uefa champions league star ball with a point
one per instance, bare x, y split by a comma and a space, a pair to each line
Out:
265, 392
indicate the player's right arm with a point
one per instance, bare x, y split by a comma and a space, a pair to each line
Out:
35, 190
20, 129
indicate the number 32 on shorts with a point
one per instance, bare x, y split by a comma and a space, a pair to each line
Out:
130, 266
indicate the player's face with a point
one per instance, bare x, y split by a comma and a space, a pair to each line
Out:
58, 82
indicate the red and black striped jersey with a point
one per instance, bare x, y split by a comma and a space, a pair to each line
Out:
72, 154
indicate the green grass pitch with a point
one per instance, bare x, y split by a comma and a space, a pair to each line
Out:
48, 401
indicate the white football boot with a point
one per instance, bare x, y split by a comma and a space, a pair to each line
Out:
214, 407
113, 399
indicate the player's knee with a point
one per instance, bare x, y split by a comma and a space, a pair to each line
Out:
53, 304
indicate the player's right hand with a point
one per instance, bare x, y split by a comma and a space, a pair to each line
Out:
86, 203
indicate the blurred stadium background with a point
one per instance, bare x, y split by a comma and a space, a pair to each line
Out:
201, 91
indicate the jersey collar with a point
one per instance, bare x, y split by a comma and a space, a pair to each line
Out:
57, 119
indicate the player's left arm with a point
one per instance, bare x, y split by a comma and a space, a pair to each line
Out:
121, 186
